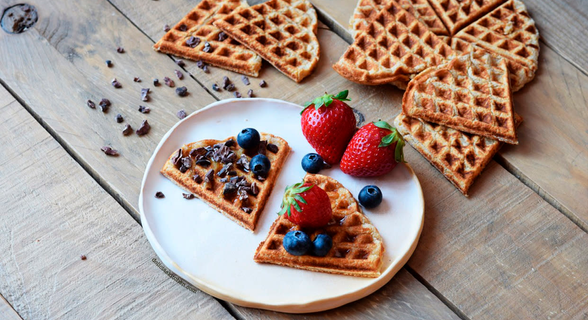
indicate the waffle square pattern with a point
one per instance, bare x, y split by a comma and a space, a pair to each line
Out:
470, 94
459, 13
357, 245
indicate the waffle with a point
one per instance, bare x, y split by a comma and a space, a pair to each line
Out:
392, 48
457, 14
471, 94
366, 11
221, 51
357, 245
459, 156
510, 32
246, 194
279, 33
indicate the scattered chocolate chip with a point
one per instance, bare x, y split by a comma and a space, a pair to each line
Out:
223, 180
263, 84
247, 209
144, 109
182, 91
168, 82
203, 162
188, 196
223, 171
260, 178
156, 82
104, 104
226, 82
197, 152
230, 143
145, 94
120, 50
185, 164
91, 104
222, 36
262, 147
127, 130
250, 93
179, 74
229, 189
254, 189
215, 87
205, 69
272, 148
119, 118
237, 94
245, 80
192, 42
230, 87
159, 195
183, 27
115, 83
181, 114
137, 79
109, 151
166, 27
200, 64
197, 178
176, 159
180, 63
209, 179
109, 63
243, 163
144, 128
83, 257
207, 48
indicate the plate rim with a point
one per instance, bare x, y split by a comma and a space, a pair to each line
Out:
224, 294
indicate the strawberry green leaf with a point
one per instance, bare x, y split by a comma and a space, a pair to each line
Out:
394, 137
292, 197
342, 96
383, 125
326, 100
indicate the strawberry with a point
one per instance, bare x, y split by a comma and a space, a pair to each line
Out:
307, 205
374, 150
328, 124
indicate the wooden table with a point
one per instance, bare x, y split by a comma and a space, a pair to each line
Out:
517, 248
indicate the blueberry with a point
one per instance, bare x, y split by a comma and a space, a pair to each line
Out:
321, 245
312, 163
297, 243
260, 165
248, 138
370, 196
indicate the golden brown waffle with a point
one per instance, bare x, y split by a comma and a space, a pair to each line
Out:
367, 10
392, 48
459, 156
471, 94
457, 14
218, 173
277, 31
508, 31
357, 245
196, 38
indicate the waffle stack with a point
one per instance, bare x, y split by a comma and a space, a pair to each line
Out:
283, 32
357, 245
196, 38
218, 173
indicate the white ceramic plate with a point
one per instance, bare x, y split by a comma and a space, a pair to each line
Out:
216, 255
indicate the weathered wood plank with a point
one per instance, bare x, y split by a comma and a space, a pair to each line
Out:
59, 64
52, 213
6, 311
552, 153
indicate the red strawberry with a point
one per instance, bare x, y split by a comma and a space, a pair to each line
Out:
328, 126
307, 205
374, 150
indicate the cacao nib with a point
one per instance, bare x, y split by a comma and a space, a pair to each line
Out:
145, 94
205, 69
180, 63
207, 48
245, 80
192, 42
229, 189
230, 143
250, 93
183, 27
166, 27
168, 82
197, 178
91, 104
203, 162
83, 257
260, 178
188, 196
182, 91
116, 84
109, 151
181, 114
144, 128
237, 94
156, 82
223, 180
223, 171
186, 163
104, 104
119, 118
197, 152
243, 163
179, 74
137, 79
108, 63
254, 189
200, 64
230, 87
159, 195
177, 158
226, 82
120, 50
215, 87
222, 36
272, 148
127, 130
247, 210
263, 84
144, 109
262, 147
209, 179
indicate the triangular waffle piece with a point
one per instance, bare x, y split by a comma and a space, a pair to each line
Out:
393, 48
367, 10
357, 248
471, 94
459, 156
277, 31
196, 38
508, 31
218, 173
457, 14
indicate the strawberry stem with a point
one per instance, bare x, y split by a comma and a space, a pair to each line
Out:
326, 100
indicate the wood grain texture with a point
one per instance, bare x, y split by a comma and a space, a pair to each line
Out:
52, 213
6, 311
553, 148
59, 64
